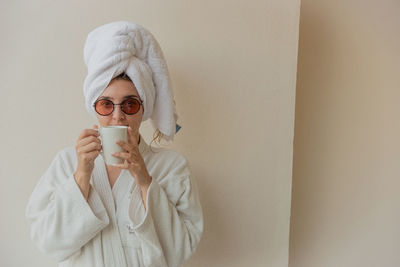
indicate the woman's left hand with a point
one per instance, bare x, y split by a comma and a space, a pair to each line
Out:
133, 161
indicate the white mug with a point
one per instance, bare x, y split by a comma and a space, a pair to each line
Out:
109, 135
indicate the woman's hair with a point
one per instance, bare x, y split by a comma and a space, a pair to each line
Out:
123, 76
157, 135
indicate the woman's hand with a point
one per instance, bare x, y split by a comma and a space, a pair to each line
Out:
133, 161
88, 147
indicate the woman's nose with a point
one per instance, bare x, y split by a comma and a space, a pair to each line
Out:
118, 114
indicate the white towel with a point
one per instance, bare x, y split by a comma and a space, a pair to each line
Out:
123, 46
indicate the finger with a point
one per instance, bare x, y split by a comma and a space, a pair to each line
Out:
124, 165
88, 132
126, 146
88, 140
92, 155
89, 147
122, 155
87, 157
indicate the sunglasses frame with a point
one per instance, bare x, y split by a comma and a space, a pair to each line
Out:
120, 104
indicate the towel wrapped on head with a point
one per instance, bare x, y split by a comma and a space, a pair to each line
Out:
122, 46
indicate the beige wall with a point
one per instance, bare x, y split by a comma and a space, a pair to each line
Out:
345, 202
233, 64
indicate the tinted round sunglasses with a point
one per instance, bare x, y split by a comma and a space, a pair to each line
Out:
129, 106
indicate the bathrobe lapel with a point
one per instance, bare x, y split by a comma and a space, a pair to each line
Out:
113, 254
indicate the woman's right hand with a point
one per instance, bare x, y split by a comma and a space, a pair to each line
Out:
88, 147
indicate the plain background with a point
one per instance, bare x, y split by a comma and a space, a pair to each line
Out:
233, 65
345, 202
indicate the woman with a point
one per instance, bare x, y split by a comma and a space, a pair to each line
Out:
144, 212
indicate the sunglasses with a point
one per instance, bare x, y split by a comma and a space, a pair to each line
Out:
129, 106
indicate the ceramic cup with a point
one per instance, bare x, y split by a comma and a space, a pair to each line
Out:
109, 135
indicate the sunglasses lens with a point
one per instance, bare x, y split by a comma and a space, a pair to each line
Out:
130, 106
104, 107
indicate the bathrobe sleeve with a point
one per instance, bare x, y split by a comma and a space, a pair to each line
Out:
61, 220
173, 222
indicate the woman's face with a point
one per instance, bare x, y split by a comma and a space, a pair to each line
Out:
117, 91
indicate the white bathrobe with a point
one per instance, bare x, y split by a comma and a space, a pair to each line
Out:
112, 228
